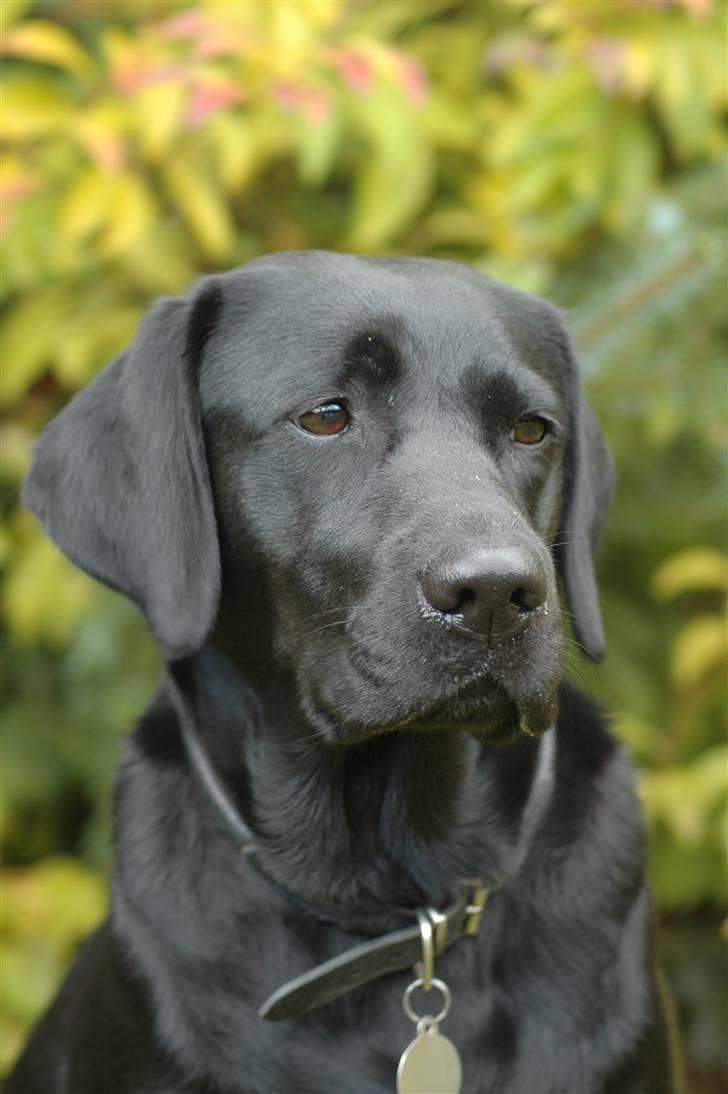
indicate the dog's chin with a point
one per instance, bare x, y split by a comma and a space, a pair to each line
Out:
491, 715
484, 710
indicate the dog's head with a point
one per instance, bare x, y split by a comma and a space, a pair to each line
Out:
369, 471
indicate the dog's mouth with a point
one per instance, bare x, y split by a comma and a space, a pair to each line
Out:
485, 710
476, 706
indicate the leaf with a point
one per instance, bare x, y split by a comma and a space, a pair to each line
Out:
201, 205
46, 43
700, 650
29, 973
31, 108
44, 596
686, 798
92, 338
131, 212
11, 11
161, 262
234, 150
633, 169
119, 205
696, 569
395, 177
318, 144
85, 205
159, 112
28, 337
16, 440
58, 897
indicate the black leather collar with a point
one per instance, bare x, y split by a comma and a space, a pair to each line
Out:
370, 960
391, 952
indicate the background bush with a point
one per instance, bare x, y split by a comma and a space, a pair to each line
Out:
568, 147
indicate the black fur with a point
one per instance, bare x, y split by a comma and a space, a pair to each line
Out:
373, 745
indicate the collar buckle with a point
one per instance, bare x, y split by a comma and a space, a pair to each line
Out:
477, 899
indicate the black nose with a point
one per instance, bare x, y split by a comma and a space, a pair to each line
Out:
491, 591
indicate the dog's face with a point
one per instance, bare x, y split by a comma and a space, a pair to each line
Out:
395, 449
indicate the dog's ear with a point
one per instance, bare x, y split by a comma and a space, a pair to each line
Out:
120, 481
587, 488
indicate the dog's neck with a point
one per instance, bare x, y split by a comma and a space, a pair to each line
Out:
393, 821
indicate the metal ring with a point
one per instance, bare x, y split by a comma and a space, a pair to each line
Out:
428, 950
446, 999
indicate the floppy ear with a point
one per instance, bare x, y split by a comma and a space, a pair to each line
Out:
588, 482
120, 482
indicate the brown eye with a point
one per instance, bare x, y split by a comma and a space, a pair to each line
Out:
325, 420
530, 430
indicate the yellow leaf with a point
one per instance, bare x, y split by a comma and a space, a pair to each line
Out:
665, 794
700, 649
13, 1035
92, 341
159, 111
47, 43
15, 443
291, 33
27, 340
639, 62
11, 11
131, 213
58, 898
100, 127
324, 13
234, 150
85, 206
30, 108
44, 595
696, 569
161, 262
30, 969
202, 206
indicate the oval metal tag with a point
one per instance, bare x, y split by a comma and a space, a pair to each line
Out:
430, 1065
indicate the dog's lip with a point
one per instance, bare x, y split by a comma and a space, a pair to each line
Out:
460, 707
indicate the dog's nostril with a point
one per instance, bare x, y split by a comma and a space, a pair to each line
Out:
529, 595
465, 596
521, 600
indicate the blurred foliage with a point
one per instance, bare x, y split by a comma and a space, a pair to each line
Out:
571, 149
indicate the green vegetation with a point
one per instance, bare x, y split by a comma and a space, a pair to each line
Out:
568, 147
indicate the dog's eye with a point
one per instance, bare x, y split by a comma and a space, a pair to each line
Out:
325, 420
530, 430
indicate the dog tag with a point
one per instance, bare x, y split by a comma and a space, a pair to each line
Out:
430, 1064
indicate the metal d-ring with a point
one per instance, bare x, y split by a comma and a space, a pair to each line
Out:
428, 949
436, 1018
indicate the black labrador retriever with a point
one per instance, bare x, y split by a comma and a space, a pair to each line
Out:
341, 490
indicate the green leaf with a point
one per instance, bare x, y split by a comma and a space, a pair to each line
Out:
203, 207
395, 177
318, 145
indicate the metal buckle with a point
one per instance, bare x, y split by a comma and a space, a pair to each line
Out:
440, 924
477, 899
428, 949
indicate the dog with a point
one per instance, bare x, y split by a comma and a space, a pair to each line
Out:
343, 491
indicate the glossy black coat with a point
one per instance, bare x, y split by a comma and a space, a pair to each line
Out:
374, 744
